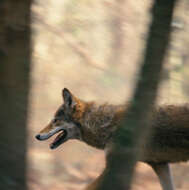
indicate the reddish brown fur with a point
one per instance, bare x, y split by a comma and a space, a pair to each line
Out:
169, 141
47, 128
170, 138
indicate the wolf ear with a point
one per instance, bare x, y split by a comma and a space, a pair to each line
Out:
68, 98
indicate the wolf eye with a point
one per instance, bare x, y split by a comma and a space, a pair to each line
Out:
54, 120
60, 112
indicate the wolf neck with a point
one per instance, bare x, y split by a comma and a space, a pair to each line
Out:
99, 122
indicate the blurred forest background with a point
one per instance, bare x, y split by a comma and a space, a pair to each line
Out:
94, 49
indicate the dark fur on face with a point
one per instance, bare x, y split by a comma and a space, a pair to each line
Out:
63, 122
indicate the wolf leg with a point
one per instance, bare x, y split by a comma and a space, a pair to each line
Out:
163, 172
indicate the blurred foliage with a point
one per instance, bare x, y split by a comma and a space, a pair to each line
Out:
94, 49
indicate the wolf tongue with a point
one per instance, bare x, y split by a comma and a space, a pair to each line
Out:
57, 140
58, 137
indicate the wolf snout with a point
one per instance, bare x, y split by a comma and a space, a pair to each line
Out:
38, 137
44, 136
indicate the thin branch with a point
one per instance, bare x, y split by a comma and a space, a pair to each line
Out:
71, 42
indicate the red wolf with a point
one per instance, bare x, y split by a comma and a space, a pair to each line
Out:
95, 125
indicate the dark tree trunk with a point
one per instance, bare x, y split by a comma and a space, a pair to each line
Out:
15, 54
126, 148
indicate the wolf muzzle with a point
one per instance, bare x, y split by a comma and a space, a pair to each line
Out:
45, 136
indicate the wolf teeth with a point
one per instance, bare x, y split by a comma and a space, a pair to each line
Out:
59, 135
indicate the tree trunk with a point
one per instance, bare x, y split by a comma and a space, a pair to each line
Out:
15, 54
135, 128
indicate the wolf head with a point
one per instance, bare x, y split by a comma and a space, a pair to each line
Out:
66, 121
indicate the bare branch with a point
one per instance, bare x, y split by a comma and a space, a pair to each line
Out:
71, 42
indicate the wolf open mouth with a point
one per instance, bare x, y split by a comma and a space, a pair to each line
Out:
60, 138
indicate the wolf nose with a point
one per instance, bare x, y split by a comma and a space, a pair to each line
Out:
37, 137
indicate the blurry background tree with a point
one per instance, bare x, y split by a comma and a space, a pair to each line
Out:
15, 59
93, 48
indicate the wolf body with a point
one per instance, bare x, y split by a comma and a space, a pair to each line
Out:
96, 124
